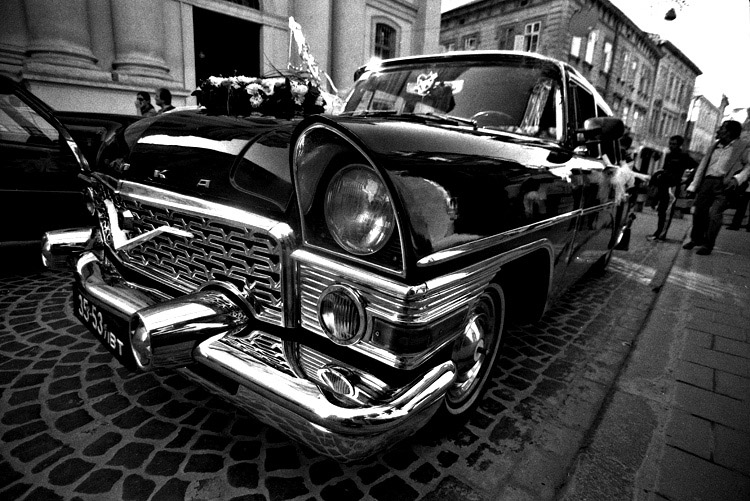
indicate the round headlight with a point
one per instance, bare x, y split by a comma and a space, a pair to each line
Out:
358, 210
341, 314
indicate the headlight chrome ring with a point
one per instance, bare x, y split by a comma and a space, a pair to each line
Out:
358, 210
341, 313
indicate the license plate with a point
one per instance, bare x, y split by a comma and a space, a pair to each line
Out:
111, 330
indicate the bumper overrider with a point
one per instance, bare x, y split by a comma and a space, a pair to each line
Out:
197, 335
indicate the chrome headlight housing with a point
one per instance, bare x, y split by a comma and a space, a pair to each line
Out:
358, 210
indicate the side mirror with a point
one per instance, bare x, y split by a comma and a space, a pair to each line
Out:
602, 129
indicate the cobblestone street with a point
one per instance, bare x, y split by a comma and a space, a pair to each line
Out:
75, 425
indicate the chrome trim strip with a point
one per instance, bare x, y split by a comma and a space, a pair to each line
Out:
161, 197
484, 243
408, 305
369, 160
487, 242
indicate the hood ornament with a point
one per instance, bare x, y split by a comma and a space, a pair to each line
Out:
120, 239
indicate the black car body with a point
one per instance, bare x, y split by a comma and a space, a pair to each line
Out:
39, 187
347, 278
43, 153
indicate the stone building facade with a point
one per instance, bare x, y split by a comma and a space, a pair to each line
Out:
628, 66
703, 120
94, 55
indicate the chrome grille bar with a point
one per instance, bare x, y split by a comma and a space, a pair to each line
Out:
229, 246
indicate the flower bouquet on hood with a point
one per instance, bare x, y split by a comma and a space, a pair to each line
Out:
284, 96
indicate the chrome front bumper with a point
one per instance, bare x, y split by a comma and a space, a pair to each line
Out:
291, 404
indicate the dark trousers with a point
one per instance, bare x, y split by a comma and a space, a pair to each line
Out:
665, 210
739, 214
708, 211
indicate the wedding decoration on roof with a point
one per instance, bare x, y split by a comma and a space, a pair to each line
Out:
285, 96
295, 92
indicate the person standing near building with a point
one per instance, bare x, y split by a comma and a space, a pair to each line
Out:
667, 182
163, 100
725, 167
143, 104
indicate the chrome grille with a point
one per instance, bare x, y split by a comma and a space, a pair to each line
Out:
221, 250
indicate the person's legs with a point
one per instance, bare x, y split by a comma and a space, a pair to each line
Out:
661, 210
703, 200
739, 213
715, 219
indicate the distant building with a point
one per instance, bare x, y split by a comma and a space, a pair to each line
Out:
95, 55
647, 82
703, 120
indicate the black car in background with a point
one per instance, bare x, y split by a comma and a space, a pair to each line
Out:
42, 153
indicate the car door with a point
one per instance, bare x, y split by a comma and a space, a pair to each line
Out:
595, 193
39, 185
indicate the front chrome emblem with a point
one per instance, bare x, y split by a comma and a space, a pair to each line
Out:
120, 239
204, 183
160, 174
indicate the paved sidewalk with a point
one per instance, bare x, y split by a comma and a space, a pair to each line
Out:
677, 425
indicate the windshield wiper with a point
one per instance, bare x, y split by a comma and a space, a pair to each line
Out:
430, 115
453, 118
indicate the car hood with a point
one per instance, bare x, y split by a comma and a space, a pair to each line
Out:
240, 161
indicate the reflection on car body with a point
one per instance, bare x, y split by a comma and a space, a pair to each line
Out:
347, 278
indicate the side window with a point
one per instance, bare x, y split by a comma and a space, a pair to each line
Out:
22, 125
609, 148
581, 107
29, 144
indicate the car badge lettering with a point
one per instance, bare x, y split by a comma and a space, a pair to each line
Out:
160, 174
120, 239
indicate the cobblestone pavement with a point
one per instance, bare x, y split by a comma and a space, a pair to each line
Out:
76, 425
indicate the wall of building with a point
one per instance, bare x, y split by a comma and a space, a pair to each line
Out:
94, 55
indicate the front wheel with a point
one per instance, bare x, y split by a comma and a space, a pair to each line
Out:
474, 353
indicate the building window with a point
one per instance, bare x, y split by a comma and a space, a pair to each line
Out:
531, 36
385, 41
506, 36
590, 46
448, 47
625, 66
575, 46
607, 57
471, 42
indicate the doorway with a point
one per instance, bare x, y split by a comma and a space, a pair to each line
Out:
225, 45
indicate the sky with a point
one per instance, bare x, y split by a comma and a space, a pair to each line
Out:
714, 34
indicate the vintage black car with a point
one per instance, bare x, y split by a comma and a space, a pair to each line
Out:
347, 278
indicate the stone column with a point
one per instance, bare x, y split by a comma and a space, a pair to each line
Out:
59, 33
138, 27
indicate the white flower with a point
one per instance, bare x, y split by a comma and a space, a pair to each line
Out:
253, 89
298, 91
216, 81
256, 100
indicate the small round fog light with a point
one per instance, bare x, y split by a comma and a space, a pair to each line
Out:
140, 342
341, 312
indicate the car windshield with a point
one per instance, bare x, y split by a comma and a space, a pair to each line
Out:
519, 96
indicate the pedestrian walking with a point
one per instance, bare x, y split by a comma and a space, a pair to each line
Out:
667, 183
143, 104
725, 167
163, 100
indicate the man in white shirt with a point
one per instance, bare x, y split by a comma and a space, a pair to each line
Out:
724, 168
